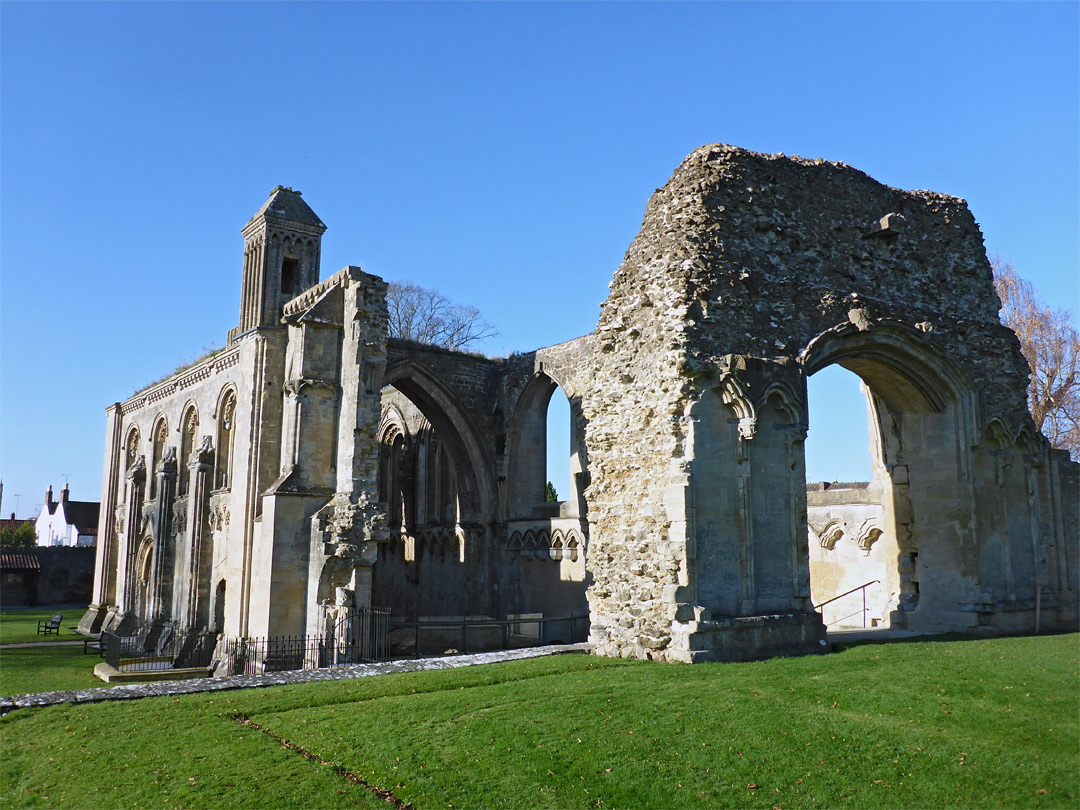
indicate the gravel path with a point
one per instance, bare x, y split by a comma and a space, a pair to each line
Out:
348, 672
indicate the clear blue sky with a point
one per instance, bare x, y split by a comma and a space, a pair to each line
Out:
503, 153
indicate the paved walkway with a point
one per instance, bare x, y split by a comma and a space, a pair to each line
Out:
164, 688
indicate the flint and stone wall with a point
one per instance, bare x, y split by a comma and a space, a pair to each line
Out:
751, 272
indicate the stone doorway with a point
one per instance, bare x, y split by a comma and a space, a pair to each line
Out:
853, 563
898, 528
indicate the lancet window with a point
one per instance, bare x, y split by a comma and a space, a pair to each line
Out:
226, 431
158, 439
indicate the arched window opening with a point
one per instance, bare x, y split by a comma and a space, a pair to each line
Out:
544, 451
189, 428
144, 580
847, 494
219, 608
417, 480
225, 433
392, 483
131, 455
290, 276
159, 437
558, 486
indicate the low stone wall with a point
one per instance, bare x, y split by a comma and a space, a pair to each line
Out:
65, 576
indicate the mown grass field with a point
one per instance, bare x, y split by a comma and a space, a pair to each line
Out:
976, 723
47, 669
17, 626
43, 669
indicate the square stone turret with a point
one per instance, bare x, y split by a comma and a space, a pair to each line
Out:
282, 246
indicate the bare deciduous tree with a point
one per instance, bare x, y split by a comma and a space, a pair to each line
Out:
1051, 345
428, 316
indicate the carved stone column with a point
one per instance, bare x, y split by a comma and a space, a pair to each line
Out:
346, 532
129, 517
161, 576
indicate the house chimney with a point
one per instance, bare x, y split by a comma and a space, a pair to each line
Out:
48, 498
64, 494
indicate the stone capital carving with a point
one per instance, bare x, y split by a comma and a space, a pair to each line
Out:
296, 386
137, 471
179, 515
167, 465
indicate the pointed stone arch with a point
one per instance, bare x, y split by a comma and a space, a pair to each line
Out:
527, 452
455, 429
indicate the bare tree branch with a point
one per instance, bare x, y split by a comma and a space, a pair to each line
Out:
428, 316
1051, 345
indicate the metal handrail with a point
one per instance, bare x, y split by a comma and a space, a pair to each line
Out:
862, 588
845, 593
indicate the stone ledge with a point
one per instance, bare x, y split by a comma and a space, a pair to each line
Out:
111, 674
747, 638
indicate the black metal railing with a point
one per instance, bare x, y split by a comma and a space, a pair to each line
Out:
357, 635
172, 650
360, 635
862, 588
438, 636
257, 656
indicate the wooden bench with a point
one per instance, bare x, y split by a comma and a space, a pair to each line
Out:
94, 643
52, 625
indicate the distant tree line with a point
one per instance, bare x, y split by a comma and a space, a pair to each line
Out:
1051, 345
23, 536
428, 316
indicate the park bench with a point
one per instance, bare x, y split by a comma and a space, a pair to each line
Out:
94, 643
52, 625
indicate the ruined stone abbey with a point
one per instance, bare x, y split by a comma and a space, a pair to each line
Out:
313, 462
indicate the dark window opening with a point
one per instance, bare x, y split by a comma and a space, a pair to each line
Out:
290, 276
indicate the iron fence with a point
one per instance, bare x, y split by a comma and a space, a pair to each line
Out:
171, 650
360, 635
357, 635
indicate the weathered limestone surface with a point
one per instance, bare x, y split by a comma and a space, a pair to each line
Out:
750, 272
849, 550
314, 464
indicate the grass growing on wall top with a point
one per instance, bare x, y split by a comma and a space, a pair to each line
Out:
982, 723
188, 362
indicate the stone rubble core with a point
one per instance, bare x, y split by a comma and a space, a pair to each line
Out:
315, 464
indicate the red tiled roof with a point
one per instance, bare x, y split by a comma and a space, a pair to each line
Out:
19, 561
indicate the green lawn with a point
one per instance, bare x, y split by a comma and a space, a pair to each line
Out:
983, 723
21, 625
47, 669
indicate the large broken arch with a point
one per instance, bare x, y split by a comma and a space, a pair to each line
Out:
750, 272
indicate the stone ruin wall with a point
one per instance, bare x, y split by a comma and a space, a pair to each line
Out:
743, 259
688, 406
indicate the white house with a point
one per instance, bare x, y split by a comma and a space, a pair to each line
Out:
67, 522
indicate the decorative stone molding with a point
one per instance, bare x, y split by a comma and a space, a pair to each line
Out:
868, 534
